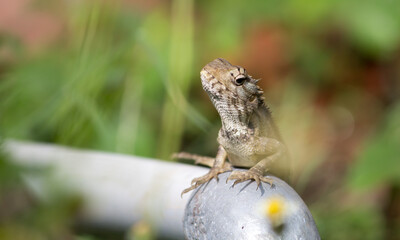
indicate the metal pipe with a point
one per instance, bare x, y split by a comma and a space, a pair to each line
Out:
120, 190
219, 211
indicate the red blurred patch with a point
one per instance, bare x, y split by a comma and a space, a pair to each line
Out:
34, 27
265, 53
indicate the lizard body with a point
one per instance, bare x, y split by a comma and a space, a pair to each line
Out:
248, 136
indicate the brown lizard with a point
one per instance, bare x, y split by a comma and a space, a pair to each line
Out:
248, 136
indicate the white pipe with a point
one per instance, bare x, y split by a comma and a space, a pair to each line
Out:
118, 190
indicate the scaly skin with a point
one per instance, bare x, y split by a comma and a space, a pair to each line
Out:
248, 136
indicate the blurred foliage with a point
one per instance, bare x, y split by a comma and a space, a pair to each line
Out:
357, 223
23, 217
141, 230
384, 147
122, 76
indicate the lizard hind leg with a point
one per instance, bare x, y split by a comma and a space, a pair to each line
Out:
202, 160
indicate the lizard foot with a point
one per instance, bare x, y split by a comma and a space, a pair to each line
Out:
241, 176
213, 173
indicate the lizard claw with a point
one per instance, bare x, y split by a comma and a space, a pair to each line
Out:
188, 189
213, 173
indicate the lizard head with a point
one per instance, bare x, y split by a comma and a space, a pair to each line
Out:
224, 81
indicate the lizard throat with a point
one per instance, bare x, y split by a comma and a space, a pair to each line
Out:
235, 119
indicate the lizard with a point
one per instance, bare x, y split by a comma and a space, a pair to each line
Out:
248, 137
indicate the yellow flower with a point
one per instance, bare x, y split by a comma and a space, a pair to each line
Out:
276, 209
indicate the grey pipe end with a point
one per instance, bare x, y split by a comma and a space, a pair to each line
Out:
219, 211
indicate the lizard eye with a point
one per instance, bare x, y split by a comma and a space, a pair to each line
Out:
240, 80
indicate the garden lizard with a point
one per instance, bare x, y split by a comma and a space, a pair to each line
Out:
248, 136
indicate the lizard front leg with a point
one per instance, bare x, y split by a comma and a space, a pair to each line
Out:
220, 166
272, 149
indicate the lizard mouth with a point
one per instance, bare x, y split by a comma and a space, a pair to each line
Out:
204, 81
206, 77
203, 76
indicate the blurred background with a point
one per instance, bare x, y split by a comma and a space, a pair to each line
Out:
123, 76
